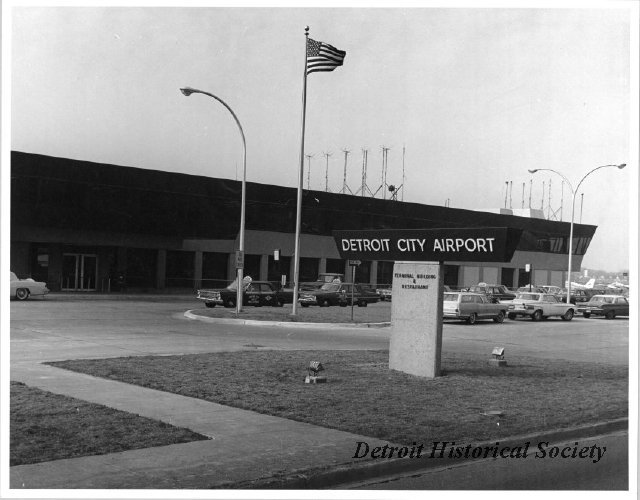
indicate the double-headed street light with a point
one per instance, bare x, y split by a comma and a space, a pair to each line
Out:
573, 207
239, 265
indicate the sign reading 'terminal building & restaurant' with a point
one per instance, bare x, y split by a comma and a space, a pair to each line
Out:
487, 244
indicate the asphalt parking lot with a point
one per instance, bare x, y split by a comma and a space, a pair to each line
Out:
55, 329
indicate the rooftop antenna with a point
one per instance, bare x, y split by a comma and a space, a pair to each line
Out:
561, 198
506, 192
403, 177
383, 175
364, 189
523, 195
530, 186
510, 193
326, 173
309, 171
550, 214
542, 202
345, 188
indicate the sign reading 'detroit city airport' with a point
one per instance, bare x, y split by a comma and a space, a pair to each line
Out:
416, 310
490, 244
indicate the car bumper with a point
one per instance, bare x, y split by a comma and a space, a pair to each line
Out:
591, 310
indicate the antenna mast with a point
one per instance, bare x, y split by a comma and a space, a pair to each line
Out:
345, 188
326, 172
309, 171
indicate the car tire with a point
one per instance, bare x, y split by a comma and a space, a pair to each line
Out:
325, 303
230, 303
471, 320
568, 316
499, 318
210, 304
537, 315
304, 305
362, 303
22, 293
610, 315
512, 316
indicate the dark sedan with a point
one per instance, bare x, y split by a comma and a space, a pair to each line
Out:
608, 306
256, 293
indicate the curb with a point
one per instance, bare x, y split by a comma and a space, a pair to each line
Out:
292, 324
384, 468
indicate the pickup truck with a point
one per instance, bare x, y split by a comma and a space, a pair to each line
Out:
337, 294
255, 293
471, 307
538, 306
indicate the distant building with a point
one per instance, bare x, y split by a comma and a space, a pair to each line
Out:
85, 226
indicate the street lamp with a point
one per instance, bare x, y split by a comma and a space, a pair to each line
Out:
573, 207
187, 91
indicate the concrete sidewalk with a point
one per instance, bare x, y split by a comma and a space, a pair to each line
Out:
245, 446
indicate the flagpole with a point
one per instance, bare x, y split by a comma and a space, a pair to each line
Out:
296, 260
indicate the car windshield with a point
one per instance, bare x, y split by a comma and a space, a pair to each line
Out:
528, 296
330, 287
451, 297
601, 299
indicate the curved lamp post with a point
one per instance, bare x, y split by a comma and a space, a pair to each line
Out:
573, 207
187, 91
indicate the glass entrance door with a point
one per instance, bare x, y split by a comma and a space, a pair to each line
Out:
79, 272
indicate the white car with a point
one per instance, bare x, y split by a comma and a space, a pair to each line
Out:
539, 306
23, 289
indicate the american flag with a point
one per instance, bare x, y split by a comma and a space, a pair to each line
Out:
322, 56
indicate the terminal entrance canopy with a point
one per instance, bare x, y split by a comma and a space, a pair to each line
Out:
491, 244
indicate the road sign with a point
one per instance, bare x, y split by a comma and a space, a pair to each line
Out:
239, 259
355, 262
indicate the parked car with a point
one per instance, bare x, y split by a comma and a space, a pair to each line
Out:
555, 290
255, 293
22, 289
494, 293
471, 307
608, 306
531, 288
362, 294
578, 295
539, 306
337, 294
384, 293
322, 279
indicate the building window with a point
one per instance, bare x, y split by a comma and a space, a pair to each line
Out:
141, 267
385, 273
277, 268
180, 268
252, 266
309, 268
214, 269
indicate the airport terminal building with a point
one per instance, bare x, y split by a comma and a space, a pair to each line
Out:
83, 226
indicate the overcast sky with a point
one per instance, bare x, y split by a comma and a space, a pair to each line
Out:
475, 96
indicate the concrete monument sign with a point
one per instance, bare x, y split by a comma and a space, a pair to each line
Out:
416, 311
416, 318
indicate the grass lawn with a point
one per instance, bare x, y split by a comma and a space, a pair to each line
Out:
46, 426
379, 312
364, 397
